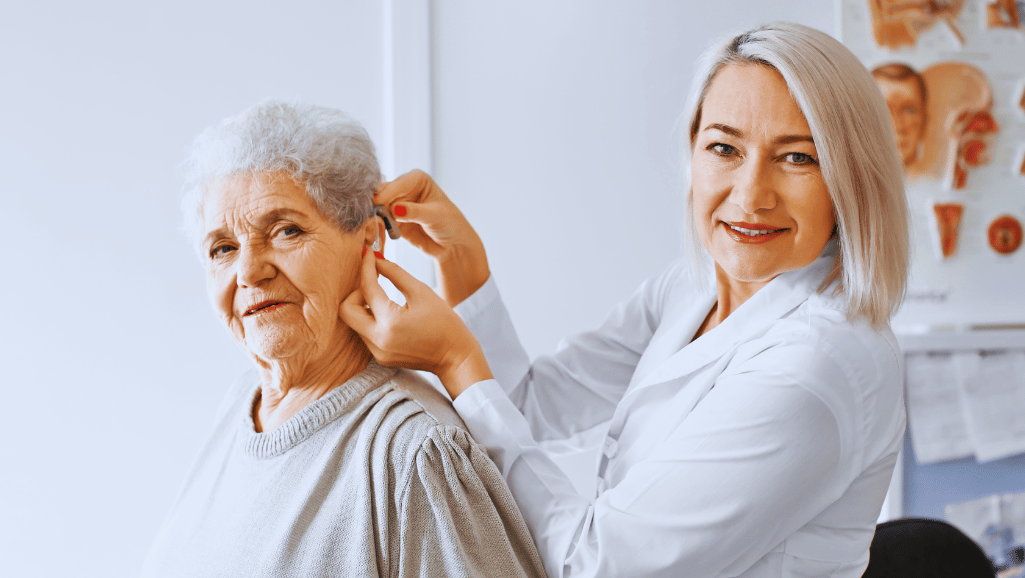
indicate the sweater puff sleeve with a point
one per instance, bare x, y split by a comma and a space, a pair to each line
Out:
456, 516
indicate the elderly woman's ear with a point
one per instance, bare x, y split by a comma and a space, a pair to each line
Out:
374, 234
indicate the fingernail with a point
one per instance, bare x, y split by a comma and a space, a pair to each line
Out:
364, 253
379, 254
399, 211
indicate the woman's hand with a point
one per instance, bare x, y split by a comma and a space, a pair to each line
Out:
425, 333
431, 222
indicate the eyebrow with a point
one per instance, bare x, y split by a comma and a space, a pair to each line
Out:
785, 139
262, 222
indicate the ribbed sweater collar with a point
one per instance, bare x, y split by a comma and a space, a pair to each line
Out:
313, 417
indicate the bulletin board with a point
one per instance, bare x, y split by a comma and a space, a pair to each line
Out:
953, 72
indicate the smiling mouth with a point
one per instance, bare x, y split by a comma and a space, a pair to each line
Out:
263, 307
752, 233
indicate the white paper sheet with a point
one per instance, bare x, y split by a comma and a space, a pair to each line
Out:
938, 430
992, 389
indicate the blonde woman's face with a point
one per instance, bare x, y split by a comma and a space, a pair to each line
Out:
761, 206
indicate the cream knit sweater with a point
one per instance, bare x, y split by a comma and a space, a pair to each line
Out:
376, 478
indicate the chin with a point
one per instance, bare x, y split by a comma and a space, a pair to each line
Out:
274, 345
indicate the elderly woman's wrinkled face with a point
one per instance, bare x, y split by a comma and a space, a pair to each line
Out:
761, 206
277, 269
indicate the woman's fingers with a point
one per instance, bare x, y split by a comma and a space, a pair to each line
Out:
432, 223
425, 333
373, 293
411, 288
413, 186
353, 312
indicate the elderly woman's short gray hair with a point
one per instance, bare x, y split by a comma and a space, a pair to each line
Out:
323, 149
854, 138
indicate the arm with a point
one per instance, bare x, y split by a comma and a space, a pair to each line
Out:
581, 384
758, 457
575, 389
455, 516
589, 373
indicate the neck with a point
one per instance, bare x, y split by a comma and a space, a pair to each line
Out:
291, 384
730, 295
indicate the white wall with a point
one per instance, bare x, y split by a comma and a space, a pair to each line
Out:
111, 363
554, 132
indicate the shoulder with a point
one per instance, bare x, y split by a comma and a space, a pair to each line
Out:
414, 389
851, 366
415, 417
825, 351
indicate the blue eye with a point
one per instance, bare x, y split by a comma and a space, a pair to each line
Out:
290, 231
800, 158
722, 149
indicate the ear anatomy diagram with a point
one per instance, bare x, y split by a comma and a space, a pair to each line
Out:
958, 125
948, 222
1005, 234
1005, 14
970, 130
898, 23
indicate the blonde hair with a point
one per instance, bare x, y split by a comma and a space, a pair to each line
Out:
851, 127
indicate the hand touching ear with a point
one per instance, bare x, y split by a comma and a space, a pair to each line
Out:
425, 333
431, 222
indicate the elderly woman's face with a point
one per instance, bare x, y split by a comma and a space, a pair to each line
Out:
277, 269
761, 206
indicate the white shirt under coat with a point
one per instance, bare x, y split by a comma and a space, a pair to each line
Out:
762, 448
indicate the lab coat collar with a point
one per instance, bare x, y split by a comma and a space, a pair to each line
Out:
780, 296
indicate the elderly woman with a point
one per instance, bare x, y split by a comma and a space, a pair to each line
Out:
322, 462
751, 394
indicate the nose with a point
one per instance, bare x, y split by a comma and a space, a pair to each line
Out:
253, 267
753, 188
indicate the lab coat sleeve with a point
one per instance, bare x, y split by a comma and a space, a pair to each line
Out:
761, 455
580, 386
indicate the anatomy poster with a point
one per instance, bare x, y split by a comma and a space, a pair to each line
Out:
953, 75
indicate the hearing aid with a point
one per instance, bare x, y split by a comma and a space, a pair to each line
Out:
377, 240
381, 211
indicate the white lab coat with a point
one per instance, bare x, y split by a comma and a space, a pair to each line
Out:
763, 448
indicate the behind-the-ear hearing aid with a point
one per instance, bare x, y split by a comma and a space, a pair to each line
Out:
377, 240
382, 212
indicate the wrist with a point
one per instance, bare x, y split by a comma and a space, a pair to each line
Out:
461, 271
459, 374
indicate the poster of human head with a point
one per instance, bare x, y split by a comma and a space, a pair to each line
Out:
952, 73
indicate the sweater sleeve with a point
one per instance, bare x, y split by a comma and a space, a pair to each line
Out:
456, 516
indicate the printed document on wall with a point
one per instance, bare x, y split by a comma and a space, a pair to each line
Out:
938, 429
993, 395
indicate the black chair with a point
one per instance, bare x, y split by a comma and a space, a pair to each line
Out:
920, 547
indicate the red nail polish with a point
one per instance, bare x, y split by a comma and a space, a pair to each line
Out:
399, 211
364, 253
379, 254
